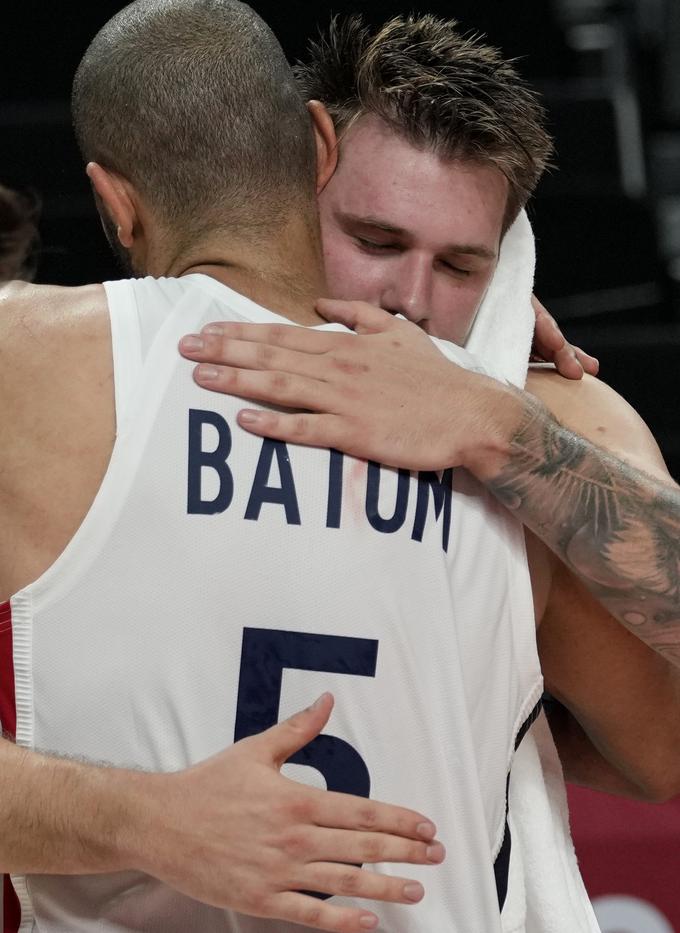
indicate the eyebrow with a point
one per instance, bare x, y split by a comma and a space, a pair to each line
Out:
465, 249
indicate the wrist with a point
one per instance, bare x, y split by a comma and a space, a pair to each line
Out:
499, 413
138, 802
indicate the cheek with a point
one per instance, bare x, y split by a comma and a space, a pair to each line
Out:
454, 312
350, 274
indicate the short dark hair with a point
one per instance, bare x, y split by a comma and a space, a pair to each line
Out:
18, 234
437, 87
194, 102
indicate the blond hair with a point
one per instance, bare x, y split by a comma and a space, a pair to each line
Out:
438, 88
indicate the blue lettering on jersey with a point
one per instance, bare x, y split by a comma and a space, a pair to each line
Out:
284, 494
334, 509
200, 459
430, 487
394, 523
441, 494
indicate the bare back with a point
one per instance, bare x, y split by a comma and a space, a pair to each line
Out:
58, 420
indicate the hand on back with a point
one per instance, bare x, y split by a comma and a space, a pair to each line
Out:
235, 833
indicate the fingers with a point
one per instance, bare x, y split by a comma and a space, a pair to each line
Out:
357, 315
344, 811
590, 364
567, 363
253, 354
351, 881
277, 744
304, 428
215, 338
320, 915
277, 388
356, 846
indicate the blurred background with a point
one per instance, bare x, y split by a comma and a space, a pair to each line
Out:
607, 223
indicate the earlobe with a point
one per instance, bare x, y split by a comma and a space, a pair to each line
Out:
326, 143
115, 199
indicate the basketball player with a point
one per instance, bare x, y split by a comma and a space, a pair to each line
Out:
177, 585
402, 194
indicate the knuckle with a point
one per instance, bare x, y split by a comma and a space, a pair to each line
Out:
350, 881
279, 333
295, 843
303, 809
299, 427
232, 379
312, 916
279, 382
263, 355
372, 850
367, 817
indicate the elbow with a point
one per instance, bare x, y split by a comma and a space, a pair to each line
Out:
659, 788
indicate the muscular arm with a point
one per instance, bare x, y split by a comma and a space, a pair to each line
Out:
615, 525
617, 722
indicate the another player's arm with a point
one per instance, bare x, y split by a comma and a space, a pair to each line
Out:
231, 831
617, 722
613, 519
388, 394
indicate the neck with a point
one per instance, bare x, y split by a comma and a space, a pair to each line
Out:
284, 273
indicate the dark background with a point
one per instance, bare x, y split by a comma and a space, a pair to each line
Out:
607, 221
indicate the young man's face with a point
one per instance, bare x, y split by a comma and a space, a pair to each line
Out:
409, 232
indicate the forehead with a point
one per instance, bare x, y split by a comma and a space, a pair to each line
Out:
384, 176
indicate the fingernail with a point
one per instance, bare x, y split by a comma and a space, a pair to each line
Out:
413, 891
192, 342
317, 703
426, 830
206, 373
213, 329
435, 853
368, 922
248, 417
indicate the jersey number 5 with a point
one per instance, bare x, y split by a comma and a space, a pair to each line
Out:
264, 656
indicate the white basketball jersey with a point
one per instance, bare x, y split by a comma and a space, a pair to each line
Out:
220, 582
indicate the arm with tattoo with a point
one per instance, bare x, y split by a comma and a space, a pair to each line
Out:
616, 527
388, 394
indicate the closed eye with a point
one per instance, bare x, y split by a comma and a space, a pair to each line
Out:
456, 270
370, 246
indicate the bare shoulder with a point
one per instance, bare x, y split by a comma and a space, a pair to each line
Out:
49, 328
52, 341
594, 410
28, 311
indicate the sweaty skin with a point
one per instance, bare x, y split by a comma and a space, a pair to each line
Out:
430, 257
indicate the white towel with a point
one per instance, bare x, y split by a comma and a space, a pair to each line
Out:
545, 890
504, 327
546, 893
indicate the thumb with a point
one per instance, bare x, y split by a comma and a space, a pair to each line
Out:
357, 315
277, 744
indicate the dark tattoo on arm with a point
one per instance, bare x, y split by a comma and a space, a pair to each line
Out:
617, 528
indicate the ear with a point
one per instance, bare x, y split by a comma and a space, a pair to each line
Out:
115, 196
326, 143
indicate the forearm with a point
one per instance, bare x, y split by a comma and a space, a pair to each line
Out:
588, 766
582, 762
616, 527
61, 816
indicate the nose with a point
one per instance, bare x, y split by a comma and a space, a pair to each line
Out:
409, 288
